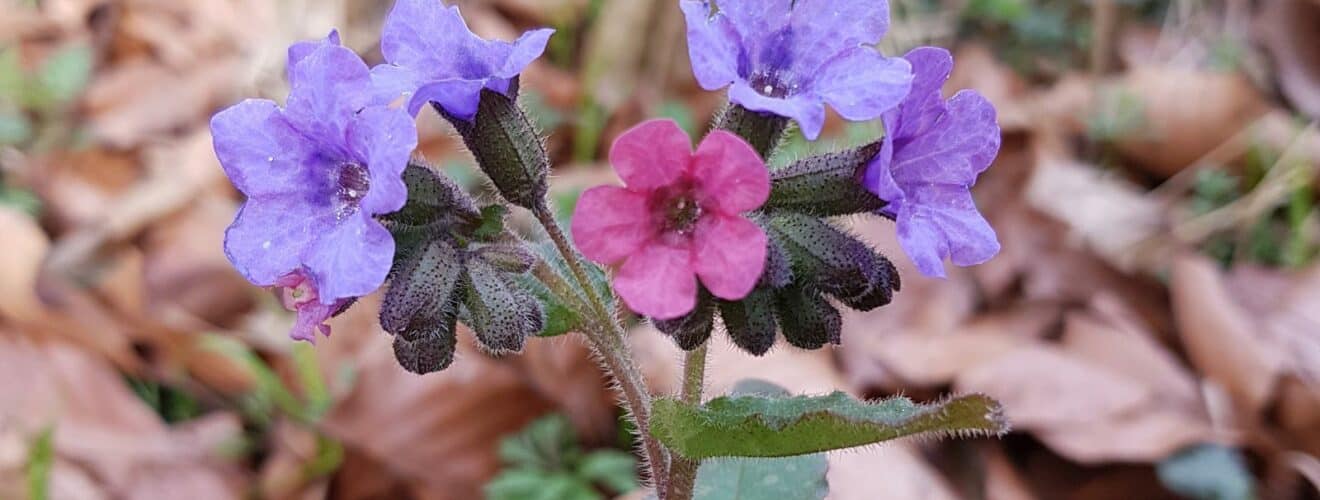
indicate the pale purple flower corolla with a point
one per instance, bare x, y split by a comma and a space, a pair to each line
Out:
933, 151
432, 56
314, 173
790, 58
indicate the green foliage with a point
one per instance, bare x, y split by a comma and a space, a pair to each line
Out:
754, 426
171, 404
1277, 238
40, 459
1208, 472
788, 478
544, 461
21, 199
29, 98
270, 394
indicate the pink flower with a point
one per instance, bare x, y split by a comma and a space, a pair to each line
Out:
677, 219
298, 292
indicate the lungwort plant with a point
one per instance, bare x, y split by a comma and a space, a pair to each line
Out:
338, 206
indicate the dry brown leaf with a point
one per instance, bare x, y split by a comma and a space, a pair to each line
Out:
103, 427
1186, 114
437, 432
1002, 480
1110, 215
1219, 337
25, 246
133, 103
1290, 32
1133, 353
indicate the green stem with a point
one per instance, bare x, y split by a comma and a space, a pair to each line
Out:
683, 471
607, 338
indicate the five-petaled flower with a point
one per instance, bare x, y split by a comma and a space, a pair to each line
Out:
314, 173
434, 57
790, 57
678, 218
932, 153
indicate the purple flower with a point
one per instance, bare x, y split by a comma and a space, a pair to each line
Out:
933, 151
314, 173
434, 57
790, 57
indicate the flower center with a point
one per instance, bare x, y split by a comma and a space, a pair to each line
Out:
351, 184
676, 210
768, 85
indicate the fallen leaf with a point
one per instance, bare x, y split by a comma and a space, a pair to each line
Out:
1290, 32
1220, 337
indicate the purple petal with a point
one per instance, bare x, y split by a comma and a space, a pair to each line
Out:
458, 97
755, 19
879, 179
327, 88
824, 29
931, 67
351, 258
269, 236
961, 143
433, 41
383, 139
713, 46
300, 50
392, 83
861, 84
260, 152
941, 222
807, 110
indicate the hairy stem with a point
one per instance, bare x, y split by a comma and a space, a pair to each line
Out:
683, 471
607, 338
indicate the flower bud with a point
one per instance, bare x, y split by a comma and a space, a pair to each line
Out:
426, 350
507, 148
692, 330
751, 321
834, 262
421, 307
433, 199
764, 131
507, 257
778, 271
807, 319
502, 314
825, 185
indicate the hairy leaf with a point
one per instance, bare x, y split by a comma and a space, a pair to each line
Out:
753, 426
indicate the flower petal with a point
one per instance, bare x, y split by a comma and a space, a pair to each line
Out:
525, 49
879, 179
351, 259
458, 97
728, 254
959, 145
651, 155
941, 222
713, 46
931, 67
731, 177
383, 139
610, 223
822, 29
327, 88
755, 19
262, 154
657, 281
808, 110
861, 84
300, 50
269, 236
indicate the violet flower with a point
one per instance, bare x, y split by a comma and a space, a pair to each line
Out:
434, 57
314, 173
790, 57
678, 218
933, 151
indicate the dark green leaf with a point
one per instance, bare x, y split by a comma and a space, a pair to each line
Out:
614, 469
530, 484
1208, 472
752, 426
791, 478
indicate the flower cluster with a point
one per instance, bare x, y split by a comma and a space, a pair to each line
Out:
336, 207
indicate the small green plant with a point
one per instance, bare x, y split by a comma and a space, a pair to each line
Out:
545, 461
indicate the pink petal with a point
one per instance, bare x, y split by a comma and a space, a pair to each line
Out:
611, 223
728, 254
731, 177
657, 281
651, 155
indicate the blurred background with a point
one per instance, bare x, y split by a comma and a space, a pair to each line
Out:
1152, 325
